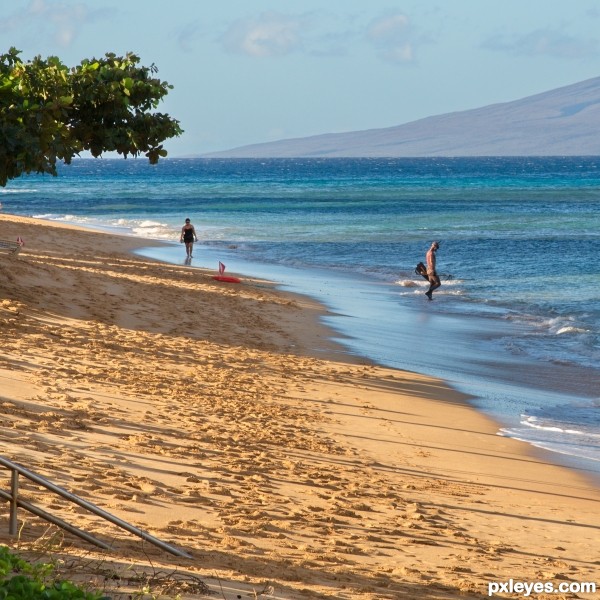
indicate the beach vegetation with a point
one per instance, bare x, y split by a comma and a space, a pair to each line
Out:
51, 113
23, 580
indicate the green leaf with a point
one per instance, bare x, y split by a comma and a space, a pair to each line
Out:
49, 112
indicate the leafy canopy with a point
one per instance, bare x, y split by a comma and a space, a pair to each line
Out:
50, 113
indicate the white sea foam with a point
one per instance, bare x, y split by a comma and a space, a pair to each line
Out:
158, 231
75, 219
576, 450
147, 228
409, 283
571, 329
570, 429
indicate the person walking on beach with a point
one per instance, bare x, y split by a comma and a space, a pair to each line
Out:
188, 236
434, 279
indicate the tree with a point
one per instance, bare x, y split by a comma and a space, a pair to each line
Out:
51, 113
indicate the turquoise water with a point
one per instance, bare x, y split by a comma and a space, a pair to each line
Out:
516, 322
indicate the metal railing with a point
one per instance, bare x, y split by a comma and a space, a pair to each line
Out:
16, 502
10, 247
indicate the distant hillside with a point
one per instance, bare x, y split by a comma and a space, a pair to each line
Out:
564, 121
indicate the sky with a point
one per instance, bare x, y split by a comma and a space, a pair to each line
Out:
251, 71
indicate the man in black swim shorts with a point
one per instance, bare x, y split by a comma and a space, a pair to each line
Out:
434, 279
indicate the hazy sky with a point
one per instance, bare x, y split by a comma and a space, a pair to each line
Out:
248, 71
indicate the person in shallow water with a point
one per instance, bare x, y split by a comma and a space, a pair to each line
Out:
188, 236
434, 279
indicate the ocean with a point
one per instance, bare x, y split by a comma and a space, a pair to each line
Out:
516, 323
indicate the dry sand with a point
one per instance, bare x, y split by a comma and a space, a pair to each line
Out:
219, 418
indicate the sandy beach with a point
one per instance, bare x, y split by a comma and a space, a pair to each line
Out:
222, 419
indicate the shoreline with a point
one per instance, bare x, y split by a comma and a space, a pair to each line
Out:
355, 309
291, 462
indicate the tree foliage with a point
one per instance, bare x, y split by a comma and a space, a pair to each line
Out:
50, 113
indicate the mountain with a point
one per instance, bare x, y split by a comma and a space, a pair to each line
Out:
560, 122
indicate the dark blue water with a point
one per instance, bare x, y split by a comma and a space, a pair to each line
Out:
516, 321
